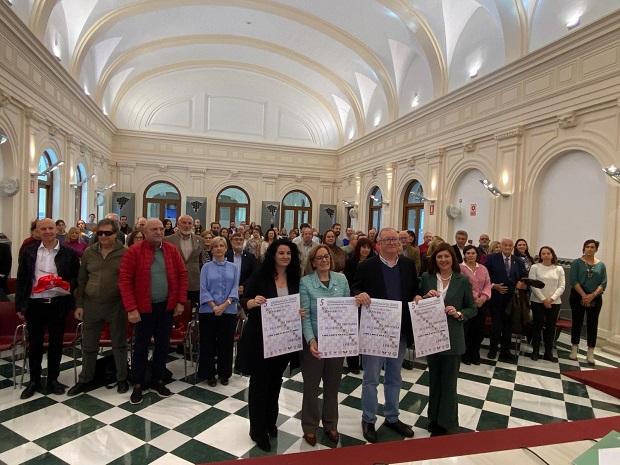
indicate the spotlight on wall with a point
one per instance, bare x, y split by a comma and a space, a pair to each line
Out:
613, 172
347, 203
49, 170
419, 198
415, 101
3, 138
108, 187
492, 188
473, 70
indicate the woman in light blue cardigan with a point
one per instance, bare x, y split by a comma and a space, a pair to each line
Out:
219, 294
319, 282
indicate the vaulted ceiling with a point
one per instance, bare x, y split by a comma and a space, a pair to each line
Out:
312, 73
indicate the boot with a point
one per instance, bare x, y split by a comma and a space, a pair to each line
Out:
574, 351
590, 356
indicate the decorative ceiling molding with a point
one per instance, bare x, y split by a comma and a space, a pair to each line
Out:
224, 64
40, 15
110, 70
524, 28
427, 39
88, 38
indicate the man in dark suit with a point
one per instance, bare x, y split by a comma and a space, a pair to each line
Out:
242, 258
190, 247
6, 262
505, 271
461, 241
393, 277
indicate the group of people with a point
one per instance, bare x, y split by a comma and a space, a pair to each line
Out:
147, 282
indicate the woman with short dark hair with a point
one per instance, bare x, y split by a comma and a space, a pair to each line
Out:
588, 278
546, 301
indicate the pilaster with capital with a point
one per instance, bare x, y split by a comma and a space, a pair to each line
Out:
509, 172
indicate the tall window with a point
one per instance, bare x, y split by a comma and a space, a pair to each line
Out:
413, 209
374, 210
233, 204
80, 191
162, 200
45, 186
296, 209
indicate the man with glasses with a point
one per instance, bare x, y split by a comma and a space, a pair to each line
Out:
98, 302
394, 277
245, 261
46, 276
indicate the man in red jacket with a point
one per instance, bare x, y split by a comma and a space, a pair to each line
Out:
153, 284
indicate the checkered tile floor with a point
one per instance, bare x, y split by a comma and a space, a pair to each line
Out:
200, 424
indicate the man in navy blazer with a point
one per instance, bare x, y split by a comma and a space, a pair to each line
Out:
245, 260
505, 271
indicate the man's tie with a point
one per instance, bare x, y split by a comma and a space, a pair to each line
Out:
507, 265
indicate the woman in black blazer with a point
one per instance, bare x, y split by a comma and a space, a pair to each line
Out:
278, 275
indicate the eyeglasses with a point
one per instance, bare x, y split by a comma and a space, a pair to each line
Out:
391, 240
105, 233
320, 258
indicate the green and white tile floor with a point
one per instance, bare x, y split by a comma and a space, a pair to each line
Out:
200, 424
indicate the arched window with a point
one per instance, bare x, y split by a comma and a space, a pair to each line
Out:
233, 204
296, 210
81, 192
45, 190
413, 209
162, 200
374, 210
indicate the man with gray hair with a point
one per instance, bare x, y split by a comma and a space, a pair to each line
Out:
190, 247
461, 241
394, 277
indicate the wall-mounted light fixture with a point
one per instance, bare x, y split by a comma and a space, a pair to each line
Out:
75, 185
3, 138
492, 188
347, 203
419, 197
574, 20
415, 101
377, 199
473, 70
107, 188
50, 169
613, 172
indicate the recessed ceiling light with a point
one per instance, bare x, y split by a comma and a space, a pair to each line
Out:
573, 21
56, 48
377, 120
105, 112
351, 134
86, 90
415, 101
473, 71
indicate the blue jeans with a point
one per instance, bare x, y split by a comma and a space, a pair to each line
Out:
372, 370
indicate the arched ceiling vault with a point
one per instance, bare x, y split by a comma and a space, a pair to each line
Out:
350, 65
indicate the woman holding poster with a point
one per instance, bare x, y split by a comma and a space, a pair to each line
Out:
444, 278
277, 276
320, 281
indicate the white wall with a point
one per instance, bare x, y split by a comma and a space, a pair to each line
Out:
571, 204
470, 191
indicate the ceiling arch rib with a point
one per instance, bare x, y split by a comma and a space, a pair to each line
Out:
110, 70
427, 40
40, 15
87, 38
136, 80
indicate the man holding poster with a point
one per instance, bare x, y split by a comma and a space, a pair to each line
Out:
390, 277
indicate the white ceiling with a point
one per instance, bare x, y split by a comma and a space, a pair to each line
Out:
314, 73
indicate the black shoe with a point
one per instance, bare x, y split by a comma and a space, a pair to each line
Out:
136, 396
54, 387
79, 388
535, 356
262, 442
212, 382
465, 359
161, 389
355, 371
438, 431
492, 355
273, 431
224, 381
476, 359
550, 358
31, 388
506, 356
122, 387
407, 364
368, 429
400, 428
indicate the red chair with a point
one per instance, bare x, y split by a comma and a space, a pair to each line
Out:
12, 335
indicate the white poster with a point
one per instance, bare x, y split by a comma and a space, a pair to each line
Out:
430, 326
337, 327
380, 328
282, 332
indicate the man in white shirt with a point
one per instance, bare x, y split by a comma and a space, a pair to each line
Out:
304, 244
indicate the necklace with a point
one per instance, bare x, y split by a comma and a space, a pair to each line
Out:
446, 279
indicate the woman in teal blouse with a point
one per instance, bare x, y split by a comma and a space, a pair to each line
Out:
444, 278
588, 278
319, 281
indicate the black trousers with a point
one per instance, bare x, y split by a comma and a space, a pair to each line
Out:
156, 325
501, 328
39, 317
217, 334
265, 384
591, 315
544, 318
474, 334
